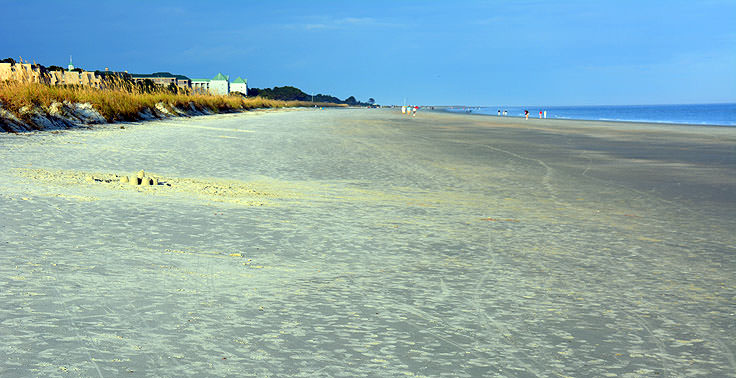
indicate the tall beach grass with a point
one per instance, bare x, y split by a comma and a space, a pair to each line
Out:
122, 100
117, 104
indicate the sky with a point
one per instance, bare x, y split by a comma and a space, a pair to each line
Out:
523, 52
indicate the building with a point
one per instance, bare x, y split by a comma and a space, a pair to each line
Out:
220, 84
23, 72
74, 78
239, 85
200, 85
33, 73
163, 78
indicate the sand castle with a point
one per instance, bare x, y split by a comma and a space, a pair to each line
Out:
140, 178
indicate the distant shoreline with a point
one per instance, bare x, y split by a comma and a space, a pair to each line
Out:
571, 121
720, 114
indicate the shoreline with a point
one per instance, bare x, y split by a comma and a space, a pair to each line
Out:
535, 117
581, 122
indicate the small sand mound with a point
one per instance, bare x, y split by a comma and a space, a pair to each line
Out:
230, 191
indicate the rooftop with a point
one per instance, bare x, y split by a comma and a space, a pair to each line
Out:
160, 74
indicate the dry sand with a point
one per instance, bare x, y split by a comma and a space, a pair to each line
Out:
366, 243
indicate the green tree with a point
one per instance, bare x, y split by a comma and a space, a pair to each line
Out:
327, 98
289, 93
351, 101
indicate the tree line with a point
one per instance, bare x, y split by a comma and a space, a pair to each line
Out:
289, 93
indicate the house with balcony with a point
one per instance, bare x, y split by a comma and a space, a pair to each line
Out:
200, 85
163, 78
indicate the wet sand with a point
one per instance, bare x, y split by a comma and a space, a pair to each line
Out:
350, 242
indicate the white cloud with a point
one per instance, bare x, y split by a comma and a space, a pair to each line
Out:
316, 26
327, 23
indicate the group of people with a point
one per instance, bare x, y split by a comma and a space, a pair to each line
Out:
409, 110
526, 113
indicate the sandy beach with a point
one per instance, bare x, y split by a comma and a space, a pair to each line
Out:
361, 242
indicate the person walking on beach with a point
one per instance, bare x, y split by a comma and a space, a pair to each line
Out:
414, 111
540, 114
505, 112
526, 114
499, 112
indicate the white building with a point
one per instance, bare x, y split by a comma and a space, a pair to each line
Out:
220, 85
239, 85
200, 85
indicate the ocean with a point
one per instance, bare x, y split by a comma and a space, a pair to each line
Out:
691, 114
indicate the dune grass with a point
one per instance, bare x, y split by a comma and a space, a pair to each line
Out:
121, 102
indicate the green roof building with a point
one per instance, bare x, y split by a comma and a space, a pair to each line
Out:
239, 85
220, 84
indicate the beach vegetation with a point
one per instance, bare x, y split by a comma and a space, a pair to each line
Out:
124, 100
351, 101
289, 93
127, 105
286, 93
116, 97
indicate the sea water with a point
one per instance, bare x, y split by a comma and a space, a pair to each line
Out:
691, 114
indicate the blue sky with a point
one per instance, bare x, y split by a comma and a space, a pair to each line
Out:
521, 52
